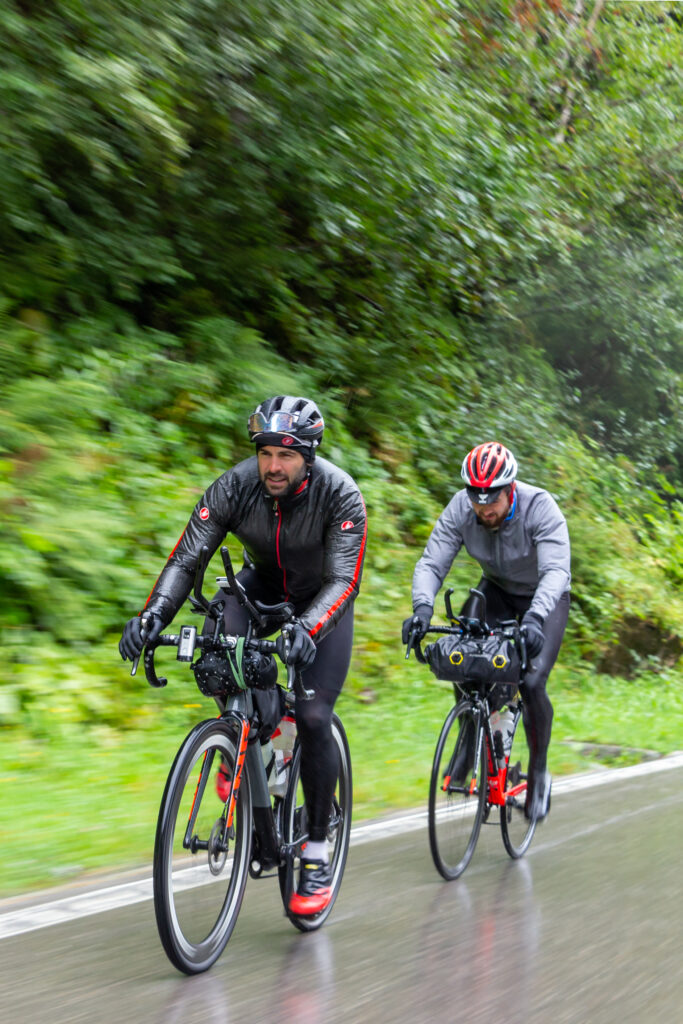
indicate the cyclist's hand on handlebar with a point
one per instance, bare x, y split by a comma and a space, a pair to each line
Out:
300, 651
532, 626
132, 640
417, 623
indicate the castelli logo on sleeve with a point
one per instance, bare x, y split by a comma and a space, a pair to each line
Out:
204, 513
347, 525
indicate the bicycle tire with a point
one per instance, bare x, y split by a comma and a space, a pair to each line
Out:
456, 809
295, 828
516, 830
198, 891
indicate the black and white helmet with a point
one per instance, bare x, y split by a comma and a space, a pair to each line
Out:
287, 422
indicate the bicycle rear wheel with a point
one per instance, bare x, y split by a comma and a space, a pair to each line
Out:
516, 830
456, 799
201, 863
295, 828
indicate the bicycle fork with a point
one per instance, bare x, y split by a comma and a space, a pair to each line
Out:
217, 842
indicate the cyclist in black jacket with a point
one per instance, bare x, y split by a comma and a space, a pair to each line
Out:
302, 523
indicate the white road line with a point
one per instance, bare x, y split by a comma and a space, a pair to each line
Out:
113, 897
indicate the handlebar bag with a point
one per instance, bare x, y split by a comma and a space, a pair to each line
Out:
474, 662
220, 673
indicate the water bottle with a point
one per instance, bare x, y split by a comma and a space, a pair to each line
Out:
284, 736
502, 722
277, 783
282, 745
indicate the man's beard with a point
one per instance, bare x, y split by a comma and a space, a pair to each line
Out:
289, 491
496, 523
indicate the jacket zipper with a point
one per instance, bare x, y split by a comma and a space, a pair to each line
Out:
278, 513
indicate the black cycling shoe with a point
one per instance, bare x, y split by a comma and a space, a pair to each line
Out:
314, 891
537, 802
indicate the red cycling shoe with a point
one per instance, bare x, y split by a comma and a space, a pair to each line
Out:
314, 891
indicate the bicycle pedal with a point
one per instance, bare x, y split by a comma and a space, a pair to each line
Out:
258, 870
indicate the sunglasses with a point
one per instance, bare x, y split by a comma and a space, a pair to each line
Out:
279, 423
484, 496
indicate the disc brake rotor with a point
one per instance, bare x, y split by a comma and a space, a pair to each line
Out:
218, 847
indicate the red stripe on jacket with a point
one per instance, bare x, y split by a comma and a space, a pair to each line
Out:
356, 573
157, 579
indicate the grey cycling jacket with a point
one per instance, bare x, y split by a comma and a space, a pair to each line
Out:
527, 555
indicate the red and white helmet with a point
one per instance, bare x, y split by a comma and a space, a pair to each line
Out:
487, 468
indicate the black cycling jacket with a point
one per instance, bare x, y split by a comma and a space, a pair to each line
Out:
308, 550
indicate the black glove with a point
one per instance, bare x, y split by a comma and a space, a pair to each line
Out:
301, 651
132, 641
532, 625
418, 621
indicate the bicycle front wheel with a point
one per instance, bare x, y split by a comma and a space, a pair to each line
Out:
295, 830
201, 860
457, 796
516, 830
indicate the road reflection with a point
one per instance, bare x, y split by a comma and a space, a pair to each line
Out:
203, 997
301, 990
477, 949
305, 990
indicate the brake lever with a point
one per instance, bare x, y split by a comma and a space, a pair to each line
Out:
411, 642
522, 648
143, 636
295, 682
449, 607
414, 645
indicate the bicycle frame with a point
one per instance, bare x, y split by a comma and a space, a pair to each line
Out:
272, 853
497, 764
244, 829
472, 769
238, 707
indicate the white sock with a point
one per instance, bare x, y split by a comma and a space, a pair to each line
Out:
317, 851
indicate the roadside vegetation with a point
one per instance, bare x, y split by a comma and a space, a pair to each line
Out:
447, 222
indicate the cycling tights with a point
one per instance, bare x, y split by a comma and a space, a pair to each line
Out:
538, 718
313, 717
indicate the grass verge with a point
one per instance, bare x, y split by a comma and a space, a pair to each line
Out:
81, 800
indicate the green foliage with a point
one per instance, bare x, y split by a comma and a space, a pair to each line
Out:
448, 223
663, 537
89, 139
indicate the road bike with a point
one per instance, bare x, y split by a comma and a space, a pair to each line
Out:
218, 821
477, 765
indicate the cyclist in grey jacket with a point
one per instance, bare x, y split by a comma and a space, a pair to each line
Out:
519, 536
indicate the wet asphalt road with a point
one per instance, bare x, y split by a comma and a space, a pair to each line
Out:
586, 929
